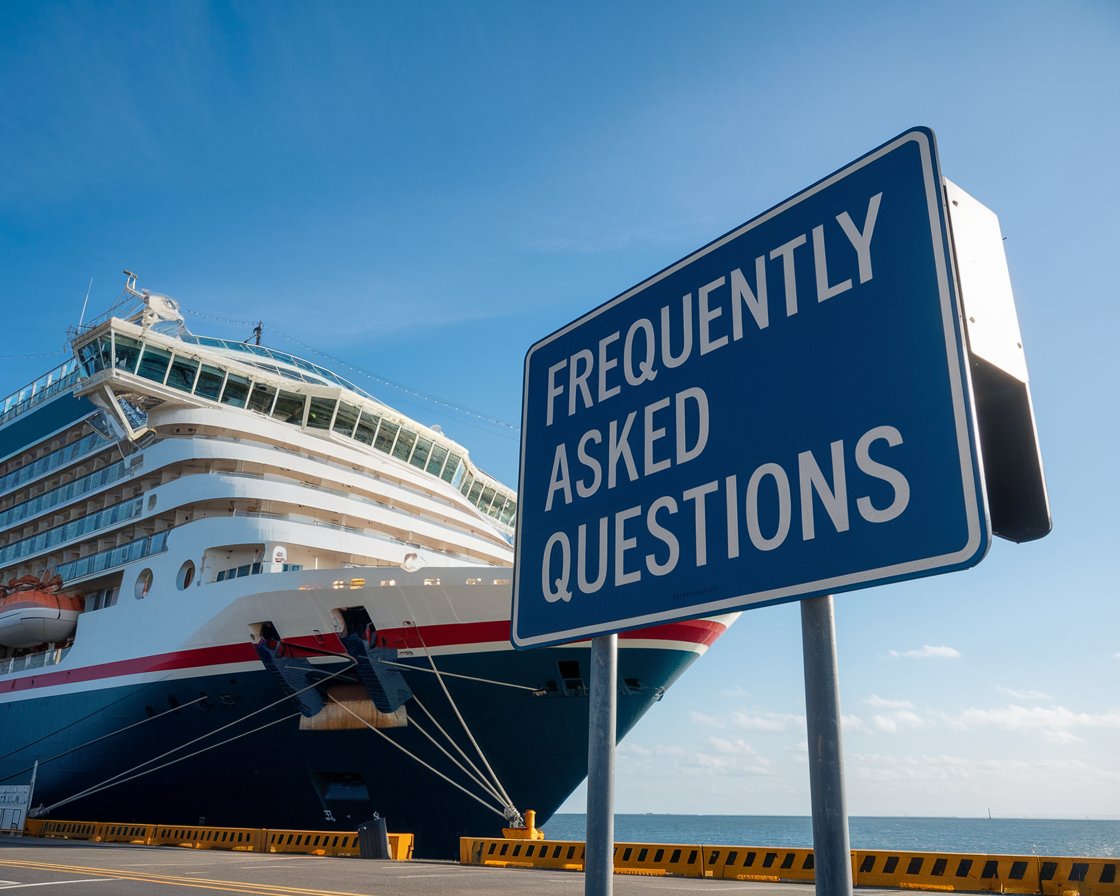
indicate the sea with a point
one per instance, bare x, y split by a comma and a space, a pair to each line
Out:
984, 836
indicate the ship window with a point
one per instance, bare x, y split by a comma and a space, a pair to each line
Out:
405, 441
186, 575
320, 412
367, 426
91, 359
289, 407
476, 490
385, 436
420, 455
451, 468
236, 391
182, 373
127, 352
438, 456
344, 420
209, 382
153, 363
143, 584
486, 499
261, 398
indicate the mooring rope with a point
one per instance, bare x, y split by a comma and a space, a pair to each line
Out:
43, 762
496, 810
511, 812
114, 780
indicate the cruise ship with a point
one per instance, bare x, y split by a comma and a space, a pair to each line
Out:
236, 589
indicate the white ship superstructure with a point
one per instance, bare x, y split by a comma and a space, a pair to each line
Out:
256, 539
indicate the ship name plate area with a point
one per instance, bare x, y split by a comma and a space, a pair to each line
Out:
784, 413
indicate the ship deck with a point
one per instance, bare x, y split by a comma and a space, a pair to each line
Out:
122, 870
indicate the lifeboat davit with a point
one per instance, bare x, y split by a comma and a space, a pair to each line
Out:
35, 611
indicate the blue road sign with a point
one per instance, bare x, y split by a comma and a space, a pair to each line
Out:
784, 413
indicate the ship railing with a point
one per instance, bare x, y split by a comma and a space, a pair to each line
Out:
118, 556
39, 390
52, 656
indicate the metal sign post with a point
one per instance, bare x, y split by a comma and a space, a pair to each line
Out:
599, 861
832, 864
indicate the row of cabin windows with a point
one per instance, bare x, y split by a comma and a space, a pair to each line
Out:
251, 569
236, 572
50, 383
48, 462
353, 421
113, 557
110, 516
64, 493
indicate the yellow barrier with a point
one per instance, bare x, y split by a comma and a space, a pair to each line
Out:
321, 843
318, 843
64, 830
199, 837
501, 853
1086, 877
946, 872
139, 834
760, 864
660, 860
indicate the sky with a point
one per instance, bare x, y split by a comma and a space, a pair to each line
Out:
414, 194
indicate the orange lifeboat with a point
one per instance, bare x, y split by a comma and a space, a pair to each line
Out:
35, 611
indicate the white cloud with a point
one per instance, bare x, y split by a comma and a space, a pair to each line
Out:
886, 768
730, 757
853, 723
896, 721
928, 651
769, 722
1056, 723
1024, 695
883, 703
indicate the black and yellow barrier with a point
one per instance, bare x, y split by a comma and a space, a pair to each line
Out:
659, 859
333, 843
201, 837
62, 830
139, 834
946, 872
950, 871
319, 843
760, 864
557, 855
1088, 877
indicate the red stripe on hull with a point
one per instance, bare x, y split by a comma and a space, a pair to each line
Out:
693, 631
696, 631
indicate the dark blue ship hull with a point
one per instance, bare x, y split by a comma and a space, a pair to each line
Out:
198, 756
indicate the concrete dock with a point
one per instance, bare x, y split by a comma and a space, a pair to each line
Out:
103, 869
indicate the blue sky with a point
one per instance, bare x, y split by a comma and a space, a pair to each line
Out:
421, 191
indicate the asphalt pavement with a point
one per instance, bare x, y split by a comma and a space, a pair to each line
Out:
104, 869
